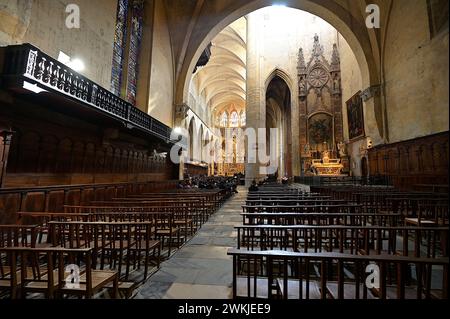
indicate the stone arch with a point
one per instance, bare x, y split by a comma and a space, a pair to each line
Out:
351, 28
278, 111
278, 72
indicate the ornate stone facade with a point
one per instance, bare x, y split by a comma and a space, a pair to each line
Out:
320, 103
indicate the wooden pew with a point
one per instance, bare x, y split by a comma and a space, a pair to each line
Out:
216, 197
275, 202
187, 219
349, 219
286, 197
424, 241
323, 208
187, 211
322, 276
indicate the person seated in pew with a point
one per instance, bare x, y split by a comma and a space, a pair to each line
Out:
253, 187
180, 185
234, 186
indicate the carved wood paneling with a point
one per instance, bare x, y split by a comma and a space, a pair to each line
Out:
422, 160
48, 148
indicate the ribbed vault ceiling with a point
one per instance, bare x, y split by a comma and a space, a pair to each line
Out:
222, 81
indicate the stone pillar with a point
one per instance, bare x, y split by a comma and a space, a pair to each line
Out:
5, 143
302, 115
181, 169
211, 169
255, 98
179, 120
295, 132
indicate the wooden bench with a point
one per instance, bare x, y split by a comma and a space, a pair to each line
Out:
320, 208
346, 239
355, 219
325, 272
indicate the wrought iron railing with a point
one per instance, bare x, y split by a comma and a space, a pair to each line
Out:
30, 64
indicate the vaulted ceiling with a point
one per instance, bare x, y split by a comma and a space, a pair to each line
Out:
222, 80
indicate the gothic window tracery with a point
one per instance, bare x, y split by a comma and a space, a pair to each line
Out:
234, 119
224, 119
243, 117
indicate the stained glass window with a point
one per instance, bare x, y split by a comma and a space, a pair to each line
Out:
137, 15
128, 34
234, 119
224, 119
243, 118
119, 46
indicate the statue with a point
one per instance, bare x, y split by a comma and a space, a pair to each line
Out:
342, 150
306, 151
325, 157
302, 87
336, 86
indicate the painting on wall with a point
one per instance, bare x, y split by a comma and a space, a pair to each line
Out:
355, 117
320, 131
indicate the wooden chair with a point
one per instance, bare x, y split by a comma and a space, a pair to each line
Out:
57, 281
166, 231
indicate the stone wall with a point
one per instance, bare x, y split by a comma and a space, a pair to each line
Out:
416, 73
351, 84
273, 51
42, 23
160, 103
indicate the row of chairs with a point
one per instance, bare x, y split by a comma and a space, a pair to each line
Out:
100, 247
317, 237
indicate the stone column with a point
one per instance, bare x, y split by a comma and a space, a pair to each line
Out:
295, 132
180, 120
5, 143
255, 98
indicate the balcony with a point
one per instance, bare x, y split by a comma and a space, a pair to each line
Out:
24, 68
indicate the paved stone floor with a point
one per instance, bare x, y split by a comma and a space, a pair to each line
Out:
201, 269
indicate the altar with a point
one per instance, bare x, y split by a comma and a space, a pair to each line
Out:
327, 166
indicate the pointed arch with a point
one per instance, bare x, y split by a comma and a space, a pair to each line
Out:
278, 72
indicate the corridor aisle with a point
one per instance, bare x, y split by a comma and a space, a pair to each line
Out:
201, 269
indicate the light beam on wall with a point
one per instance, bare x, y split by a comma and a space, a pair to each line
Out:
75, 64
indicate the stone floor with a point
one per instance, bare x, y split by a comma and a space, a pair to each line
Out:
201, 269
